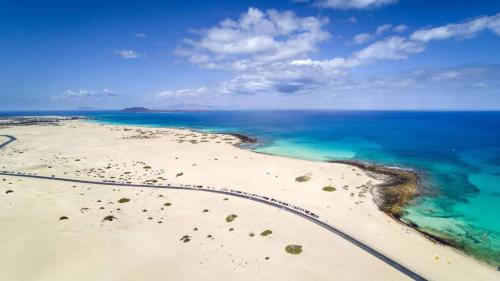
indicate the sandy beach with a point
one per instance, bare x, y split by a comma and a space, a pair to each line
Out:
68, 231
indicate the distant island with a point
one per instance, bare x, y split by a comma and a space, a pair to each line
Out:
172, 108
139, 109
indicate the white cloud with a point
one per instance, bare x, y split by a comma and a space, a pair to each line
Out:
183, 93
269, 53
302, 75
464, 30
82, 93
140, 35
353, 4
366, 37
127, 54
400, 28
391, 48
362, 38
383, 28
255, 38
479, 74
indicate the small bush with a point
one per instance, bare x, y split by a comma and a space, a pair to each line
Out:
231, 217
109, 218
185, 238
302, 178
63, 218
266, 232
293, 249
329, 188
123, 200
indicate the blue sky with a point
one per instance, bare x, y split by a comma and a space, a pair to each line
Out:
328, 54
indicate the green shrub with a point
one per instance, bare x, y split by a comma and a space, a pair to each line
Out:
302, 178
266, 232
329, 188
293, 249
231, 217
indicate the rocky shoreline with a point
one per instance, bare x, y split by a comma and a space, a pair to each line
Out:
398, 188
244, 139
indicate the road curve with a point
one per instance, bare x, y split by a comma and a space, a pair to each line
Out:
271, 202
11, 139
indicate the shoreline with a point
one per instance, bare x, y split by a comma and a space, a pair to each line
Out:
213, 161
399, 187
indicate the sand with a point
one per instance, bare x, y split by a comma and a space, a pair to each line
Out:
36, 245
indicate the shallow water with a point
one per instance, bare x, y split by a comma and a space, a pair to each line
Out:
457, 155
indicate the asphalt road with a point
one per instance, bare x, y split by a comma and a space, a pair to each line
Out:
11, 139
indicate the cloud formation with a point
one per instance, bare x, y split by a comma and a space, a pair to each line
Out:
395, 48
465, 30
254, 39
82, 93
269, 53
352, 4
183, 93
127, 54
366, 37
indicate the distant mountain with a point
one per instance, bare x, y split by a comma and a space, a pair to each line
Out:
171, 108
138, 109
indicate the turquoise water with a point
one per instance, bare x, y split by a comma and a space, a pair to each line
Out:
457, 155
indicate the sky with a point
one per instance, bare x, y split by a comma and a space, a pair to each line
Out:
288, 54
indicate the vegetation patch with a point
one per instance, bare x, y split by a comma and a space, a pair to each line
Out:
123, 200
266, 232
293, 249
63, 218
185, 238
329, 188
231, 217
109, 218
302, 178
9, 191
168, 204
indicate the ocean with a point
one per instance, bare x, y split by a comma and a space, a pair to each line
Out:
456, 154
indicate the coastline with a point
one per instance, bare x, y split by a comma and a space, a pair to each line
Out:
398, 189
398, 186
220, 163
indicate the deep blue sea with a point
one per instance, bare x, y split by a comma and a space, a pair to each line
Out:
457, 155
